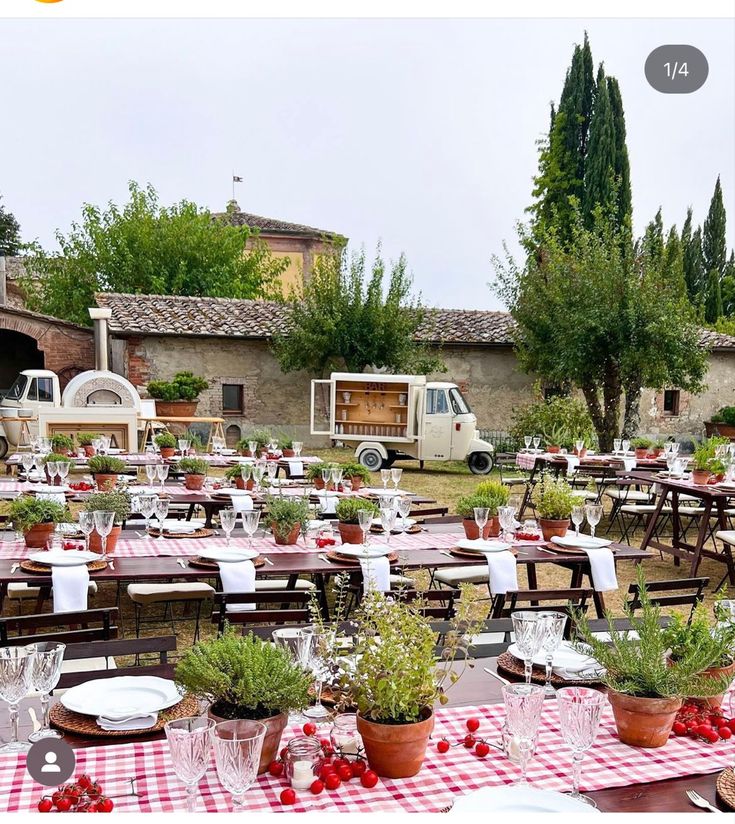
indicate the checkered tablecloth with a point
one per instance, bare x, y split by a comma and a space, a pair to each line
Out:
527, 460
9, 489
441, 779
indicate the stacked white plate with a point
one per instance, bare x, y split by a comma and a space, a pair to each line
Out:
65, 558
233, 492
378, 491
363, 552
583, 542
519, 799
480, 546
399, 523
49, 488
174, 525
123, 697
567, 662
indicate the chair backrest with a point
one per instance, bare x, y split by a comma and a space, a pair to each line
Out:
439, 602
681, 592
537, 600
85, 625
600, 625
493, 640
271, 607
105, 650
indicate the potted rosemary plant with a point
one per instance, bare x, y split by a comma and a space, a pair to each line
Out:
36, 519
105, 469
347, 510
553, 500
84, 439
489, 495
166, 442
234, 473
62, 444
287, 517
262, 437
194, 471
314, 473
117, 502
54, 457
642, 446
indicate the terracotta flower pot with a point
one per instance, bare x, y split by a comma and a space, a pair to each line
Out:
167, 452
88, 450
714, 701
700, 477
643, 722
38, 536
318, 483
350, 533
356, 482
250, 484
396, 750
275, 725
490, 530
176, 409
194, 482
289, 539
239, 483
641, 453
551, 528
553, 450
657, 452
95, 541
288, 453
105, 482
582, 453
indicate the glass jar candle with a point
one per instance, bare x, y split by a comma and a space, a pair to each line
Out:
302, 761
345, 738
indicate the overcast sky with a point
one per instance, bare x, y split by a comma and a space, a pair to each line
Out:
417, 133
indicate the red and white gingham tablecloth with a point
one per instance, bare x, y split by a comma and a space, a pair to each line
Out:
441, 779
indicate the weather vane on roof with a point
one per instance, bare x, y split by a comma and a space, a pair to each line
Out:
235, 179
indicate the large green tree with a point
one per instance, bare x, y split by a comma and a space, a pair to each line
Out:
593, 312
622, 163
714, 239
694, 272
348, 317
9, 232
599, 171
728, 286
146, 248
713, 306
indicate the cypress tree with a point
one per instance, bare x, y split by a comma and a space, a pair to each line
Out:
622, 164
713, 303
728, 286
673, 263
714, 243
599, 173
653, 238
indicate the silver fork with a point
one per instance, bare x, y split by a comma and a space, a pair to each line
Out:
698, 801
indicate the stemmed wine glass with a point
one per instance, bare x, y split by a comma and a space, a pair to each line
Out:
527, 441
625, 446
313, 654
297, 447
190, 743
507, 518
147, 505
616, 445
387, 521
151, 473
272, 469
554, 623
365, 520
579, 446
253, 449
246, 471
53, 470
16, 665
27, 461
675, 447
404, 510
183, 445
250, 521
326, 477
86, 525
237, 748
577, 519
395, 475
161, 507
227, 519
385, 477
62, 470
594, 514
258, 470
162, 473
580, 709
536, 441
481, 513
529, 633
523, 706
45, 674
337, 473
103, 523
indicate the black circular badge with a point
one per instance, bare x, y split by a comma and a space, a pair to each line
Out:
50, 761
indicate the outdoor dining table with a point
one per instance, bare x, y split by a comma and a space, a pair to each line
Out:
617, 777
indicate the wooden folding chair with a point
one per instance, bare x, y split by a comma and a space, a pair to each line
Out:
682, 592
538, 600
439, 602
86, 625
292, 608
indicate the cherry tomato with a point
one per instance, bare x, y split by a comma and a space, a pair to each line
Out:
309, 728
332, 781
481, 749
358, 768
63, 805
316, 787
725, 733
275, 768
369, 779
473, 724
345, 772
443, 745
288, 796
105, 805
45, 805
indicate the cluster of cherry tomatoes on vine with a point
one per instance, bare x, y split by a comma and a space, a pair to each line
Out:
83, 796
703, 723
470, 741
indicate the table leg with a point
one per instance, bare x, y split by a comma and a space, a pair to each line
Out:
599, 600
532, 582
653, 519
701, 536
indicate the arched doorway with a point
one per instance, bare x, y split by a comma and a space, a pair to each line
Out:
17, 352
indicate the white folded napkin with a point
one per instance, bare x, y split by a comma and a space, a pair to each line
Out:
502, 572
328, 504
629, 464
572, 464
56, 497
69, 586
588, 673
238, 577
139, 722
602, 568
242, 503
375, 574
296, 467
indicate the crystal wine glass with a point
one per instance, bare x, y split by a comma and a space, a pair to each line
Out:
507, 518
246, 471
45, 674
272, 469
183, 446
616, 445
313, 654
527, 441
577, 519
237, 748
337, 473
529, 634
536, 441
253, 449
365, 520
580, 709
404, 510
103, 523
385, 477
53, 470
554, 623
86, 525
675, 447
16, 666
326, 476
227, 519
579, 446
625, 446
594, 514
250, 521
297, 447
395, 475
161, 509
151, 473
27, 463
62, 470
147, 505
162, 473
523, 706
481, 513
387, 521
190, 745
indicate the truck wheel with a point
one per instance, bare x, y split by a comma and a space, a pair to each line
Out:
480, 463
371, 459
3, 448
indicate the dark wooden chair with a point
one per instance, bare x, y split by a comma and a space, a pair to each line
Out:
482, 647
159, 647
271, 607
682, 592
66, 627
439, 602
538, 600
600, 625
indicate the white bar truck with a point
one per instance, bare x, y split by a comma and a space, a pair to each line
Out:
398, 417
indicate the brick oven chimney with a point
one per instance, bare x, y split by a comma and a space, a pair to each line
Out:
101, 316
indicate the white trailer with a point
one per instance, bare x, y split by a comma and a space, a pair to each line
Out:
394, 417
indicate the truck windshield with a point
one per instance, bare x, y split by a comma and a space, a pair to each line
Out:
15, 393
459, 404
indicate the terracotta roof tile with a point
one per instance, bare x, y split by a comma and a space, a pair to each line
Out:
269, 225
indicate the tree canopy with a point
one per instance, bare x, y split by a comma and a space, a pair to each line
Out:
9, 232
346, 317
146, 248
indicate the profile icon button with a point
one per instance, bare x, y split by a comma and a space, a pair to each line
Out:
50, 761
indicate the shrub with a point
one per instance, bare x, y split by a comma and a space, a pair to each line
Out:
244, 677
641, 443
185, 386
497, 493
284, 513
705, 452
347, 509
165, 440
117, 502
554, 499
192, 466
725, 415
698, 637
86, 438
106, 465
61, 443
28, 511
559, 421
285, 442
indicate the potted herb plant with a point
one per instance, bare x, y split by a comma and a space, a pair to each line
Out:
285, 444
105, 469
195, 472
657, 448
287, 517
641, 446
496, 494
177, 398
243, 677
356, 473
347, 510
645, 686
117, 502
84, 439
166, 442
62, 444
54, 457
262, 437
36, 519
234, 473
396, 680
722, 423
553, 500
314, 473
557, 436
466, 508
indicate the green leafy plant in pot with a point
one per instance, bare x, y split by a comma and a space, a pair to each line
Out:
36, 519
178, 397
285, 444
397, 680
194, 471
553, 500
62, 444
642, 446
347, 511
314, 473
117, 502
262, 437
234, 474
105, 469
287, 518
167, 443
55, 457
84, 439
490, 495
356, 473
245, 677
645, 686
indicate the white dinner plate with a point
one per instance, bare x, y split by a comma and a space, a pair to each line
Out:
122, 697
519, 799
565, 657
481, 546
229, 452
378, 491
49, 488
65, 558
233, 491
583, 542
365, 552
68, 529
399, 523
114, 451
228, 556
183, 527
